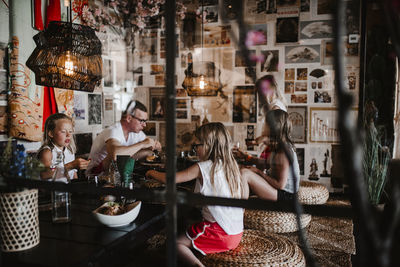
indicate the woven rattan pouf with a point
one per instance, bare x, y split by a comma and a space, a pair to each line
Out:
312, 193
258, 249
274, 221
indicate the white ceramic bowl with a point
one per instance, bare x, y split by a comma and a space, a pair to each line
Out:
118, 220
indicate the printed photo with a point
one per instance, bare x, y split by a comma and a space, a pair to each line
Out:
302, 73
302, 54
322, 97
289, 87
94, 113
287, 30
298, 99
298, 119
157, 103
244, 104
289, 74
300, 87
271, 60
150, 129
316, 29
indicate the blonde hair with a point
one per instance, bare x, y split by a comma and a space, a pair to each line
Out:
216, 142
274, 86
281, 130
50, 125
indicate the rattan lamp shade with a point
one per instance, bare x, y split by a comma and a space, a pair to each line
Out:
67, 55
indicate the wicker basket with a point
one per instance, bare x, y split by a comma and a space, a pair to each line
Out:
19, 221
259, 249
274, 221
312, 193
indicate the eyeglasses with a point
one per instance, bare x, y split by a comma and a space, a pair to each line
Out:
140, 120
195, 146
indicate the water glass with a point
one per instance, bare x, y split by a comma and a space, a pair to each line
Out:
61, 203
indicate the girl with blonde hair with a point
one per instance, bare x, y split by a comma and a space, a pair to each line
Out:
217, 174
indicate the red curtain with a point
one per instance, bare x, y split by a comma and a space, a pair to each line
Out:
49, 100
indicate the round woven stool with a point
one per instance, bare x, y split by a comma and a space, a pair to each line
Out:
312, 193
259, 249
274, 221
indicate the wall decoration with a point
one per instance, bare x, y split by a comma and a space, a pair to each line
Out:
300, 158
298, 99
302, 73
287, 30
302, 54
352, 78
216, 36
210, 13
305, 5
183, 109
289, 74
271, 60
108, 72
316, 29
80, 104
147, 47
325, 7
150, 129
287, 3
323, 124
65, 101
109, 113
3, 55
244, 104
83, 143
255, 11
322, 97
157, 104
289, 87
298, 117
184, 136
163, 45
94, 109
240, 62
271, 7
327, 52
300, 86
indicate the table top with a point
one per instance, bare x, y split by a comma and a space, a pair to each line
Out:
86, 242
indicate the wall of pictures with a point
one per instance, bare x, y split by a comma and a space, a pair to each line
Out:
297, 51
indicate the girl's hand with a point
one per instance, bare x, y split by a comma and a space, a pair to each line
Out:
237, 153
80, 163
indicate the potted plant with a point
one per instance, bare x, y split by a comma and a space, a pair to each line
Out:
376, 155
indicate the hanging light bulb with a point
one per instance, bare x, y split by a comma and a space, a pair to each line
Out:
202, 83
69, 64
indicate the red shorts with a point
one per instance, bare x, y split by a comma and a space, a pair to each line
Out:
209, 237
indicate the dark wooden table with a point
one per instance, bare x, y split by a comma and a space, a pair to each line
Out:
86, 242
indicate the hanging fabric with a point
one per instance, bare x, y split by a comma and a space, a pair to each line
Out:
49, 101
38, 15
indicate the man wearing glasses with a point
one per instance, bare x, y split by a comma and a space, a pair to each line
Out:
123, 138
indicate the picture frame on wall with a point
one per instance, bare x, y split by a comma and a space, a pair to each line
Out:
323, 124
316, 29
287, 30
298, 118
183, 110
302, 54
94, 109
157, 104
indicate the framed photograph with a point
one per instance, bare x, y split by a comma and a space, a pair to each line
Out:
271, 60
95, 106
316, 29
183, 110
244, 104
157, 104
108, 72
150, 129
289, 74
287, 3
298, 117
323, 124
302, 54
287, 30
323, 96
83, 143
327, 52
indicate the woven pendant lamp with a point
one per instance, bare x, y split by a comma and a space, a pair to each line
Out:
67, 55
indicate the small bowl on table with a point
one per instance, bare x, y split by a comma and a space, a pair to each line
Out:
131, 211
